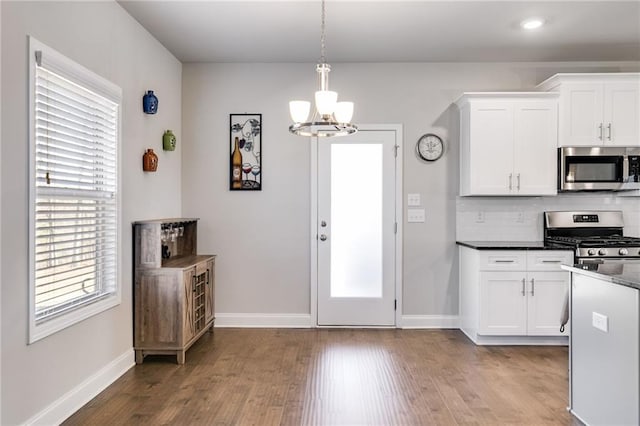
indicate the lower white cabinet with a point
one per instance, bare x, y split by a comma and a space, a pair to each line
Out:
522, 303
501, 296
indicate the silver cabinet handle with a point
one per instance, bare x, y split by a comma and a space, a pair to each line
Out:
503, 261
323, 237
601, 131
523, 285
518, 181
551, 261
609, 128
510, 185
533, 287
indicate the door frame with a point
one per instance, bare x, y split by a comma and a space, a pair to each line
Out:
399, 216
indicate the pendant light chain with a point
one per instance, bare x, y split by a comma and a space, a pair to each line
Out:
322, 43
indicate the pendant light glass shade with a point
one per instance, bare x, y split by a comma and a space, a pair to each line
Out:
330, 118
343, 112
326, 101
299, 110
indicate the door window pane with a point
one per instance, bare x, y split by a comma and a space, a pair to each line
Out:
356, 220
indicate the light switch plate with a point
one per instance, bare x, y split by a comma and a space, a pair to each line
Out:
415, 215
599, 321
413, 199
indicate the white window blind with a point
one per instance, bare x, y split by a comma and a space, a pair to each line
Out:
74, 189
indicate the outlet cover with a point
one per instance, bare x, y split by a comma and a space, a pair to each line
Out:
415, 215
599, 321
479, 217
413, 199
520, 217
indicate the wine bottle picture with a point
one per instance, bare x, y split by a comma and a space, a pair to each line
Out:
245, 152
236, 166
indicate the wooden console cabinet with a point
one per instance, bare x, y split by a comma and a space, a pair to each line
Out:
174, 288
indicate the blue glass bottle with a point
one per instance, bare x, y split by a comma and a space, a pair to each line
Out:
150, 103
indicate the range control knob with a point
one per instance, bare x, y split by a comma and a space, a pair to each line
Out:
591, 252
623, 252
602, 252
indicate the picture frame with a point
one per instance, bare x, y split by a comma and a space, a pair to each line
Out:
245, 148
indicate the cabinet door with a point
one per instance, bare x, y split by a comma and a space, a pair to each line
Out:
210, 291
621, 113
503, 303
188, 325
491, 148
546, 292
535, 151
157, 310
581, 114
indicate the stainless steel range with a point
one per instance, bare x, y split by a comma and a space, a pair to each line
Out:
596, 236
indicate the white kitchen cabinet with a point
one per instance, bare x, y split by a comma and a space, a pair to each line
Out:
545, 299
503, 305
508, 143
597, 109
513, 296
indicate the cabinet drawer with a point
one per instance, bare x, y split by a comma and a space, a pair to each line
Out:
548, 260
503, 260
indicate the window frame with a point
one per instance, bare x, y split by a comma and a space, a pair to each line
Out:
89, 80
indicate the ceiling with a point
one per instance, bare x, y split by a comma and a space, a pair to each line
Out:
392, 31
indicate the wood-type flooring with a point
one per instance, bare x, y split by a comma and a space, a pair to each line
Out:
339, 377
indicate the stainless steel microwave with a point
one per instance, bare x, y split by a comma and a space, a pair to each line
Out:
598, 168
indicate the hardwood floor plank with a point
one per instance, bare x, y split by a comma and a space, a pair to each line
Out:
339, 377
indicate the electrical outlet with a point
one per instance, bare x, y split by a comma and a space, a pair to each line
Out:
415, 215
520, 217
599, 321
479, 217
413, 199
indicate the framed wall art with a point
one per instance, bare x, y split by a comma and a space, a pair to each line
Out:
245, 164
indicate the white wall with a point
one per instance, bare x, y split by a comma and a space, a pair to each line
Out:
263, 238
104, 38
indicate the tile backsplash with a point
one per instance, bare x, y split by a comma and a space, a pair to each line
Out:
520, 218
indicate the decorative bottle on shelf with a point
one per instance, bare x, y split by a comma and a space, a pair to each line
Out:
150, 103
149, 161
236, 166
168, 141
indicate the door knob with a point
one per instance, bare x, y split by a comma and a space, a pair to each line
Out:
323, 237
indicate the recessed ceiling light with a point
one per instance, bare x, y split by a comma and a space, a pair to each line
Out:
532, 23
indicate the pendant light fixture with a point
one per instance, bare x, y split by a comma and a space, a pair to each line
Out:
330, 118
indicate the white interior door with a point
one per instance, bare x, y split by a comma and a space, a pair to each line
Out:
356, 228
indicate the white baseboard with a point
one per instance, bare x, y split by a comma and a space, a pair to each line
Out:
263, 320
430, 321
70, 402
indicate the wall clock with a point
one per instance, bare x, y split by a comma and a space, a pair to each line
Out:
430, 147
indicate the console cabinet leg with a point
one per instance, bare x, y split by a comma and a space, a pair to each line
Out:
139, 357
180, 357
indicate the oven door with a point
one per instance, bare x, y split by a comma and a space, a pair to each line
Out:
591, 169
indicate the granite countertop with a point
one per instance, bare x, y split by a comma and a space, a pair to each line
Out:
511, 245
626, 274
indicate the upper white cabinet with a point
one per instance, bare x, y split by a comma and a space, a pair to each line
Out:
597, 109
508, 143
